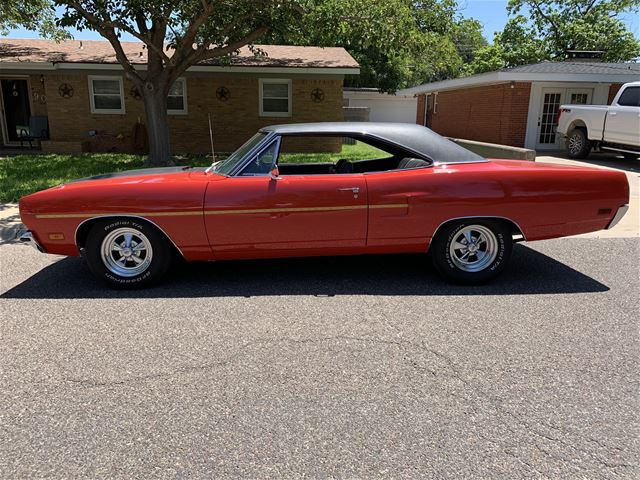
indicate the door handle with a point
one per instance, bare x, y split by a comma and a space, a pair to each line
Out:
354, 190
613, 114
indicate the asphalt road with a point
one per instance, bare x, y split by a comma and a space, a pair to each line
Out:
342, 367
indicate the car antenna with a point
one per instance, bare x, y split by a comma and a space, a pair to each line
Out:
213, 153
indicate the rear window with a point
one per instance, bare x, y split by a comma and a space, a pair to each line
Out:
630, 97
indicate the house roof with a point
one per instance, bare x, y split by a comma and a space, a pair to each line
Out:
542, 72
23, 52
579, 68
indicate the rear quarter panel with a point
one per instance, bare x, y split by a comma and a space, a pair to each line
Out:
545, 201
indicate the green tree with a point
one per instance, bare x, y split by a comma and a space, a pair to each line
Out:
181, 33
551, 28
405, 42
582, 25
37, 15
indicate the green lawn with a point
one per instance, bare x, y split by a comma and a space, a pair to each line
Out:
24, 174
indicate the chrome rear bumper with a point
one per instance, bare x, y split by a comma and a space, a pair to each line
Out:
27, 237
618, 216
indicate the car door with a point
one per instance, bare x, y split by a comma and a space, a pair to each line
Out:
623, 119
401, 208
255, 215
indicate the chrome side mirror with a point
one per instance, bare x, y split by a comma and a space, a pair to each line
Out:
274, 174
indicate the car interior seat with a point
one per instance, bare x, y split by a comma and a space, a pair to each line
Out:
344, 166
409, 162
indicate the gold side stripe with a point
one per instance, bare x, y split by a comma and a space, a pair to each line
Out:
112, 214
220, 212
285, 209
391, 205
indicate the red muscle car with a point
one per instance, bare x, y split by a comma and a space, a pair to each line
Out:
425, 194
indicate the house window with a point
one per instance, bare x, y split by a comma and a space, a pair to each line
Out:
106, 94
275, 98
177, 100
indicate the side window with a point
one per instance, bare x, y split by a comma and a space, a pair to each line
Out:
263, 162
630, 97
325, 149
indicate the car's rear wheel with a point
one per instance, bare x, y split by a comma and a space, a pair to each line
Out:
471, 251
578, 145
127, 253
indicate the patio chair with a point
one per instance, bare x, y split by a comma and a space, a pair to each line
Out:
38, 130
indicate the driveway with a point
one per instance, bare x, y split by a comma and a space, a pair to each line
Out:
334, 368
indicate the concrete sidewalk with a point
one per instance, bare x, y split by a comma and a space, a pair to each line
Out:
9, 222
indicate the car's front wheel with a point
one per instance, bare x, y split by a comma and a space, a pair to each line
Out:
127, 253
471, 251
578, 145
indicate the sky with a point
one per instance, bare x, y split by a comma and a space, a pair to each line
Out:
492, 14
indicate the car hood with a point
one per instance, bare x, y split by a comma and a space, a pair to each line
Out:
138, 173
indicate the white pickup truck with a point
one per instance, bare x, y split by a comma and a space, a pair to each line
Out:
607, 127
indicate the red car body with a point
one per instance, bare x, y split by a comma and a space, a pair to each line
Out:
425, 194
213, 217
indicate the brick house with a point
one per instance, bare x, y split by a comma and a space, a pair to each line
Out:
89, 106
517, 106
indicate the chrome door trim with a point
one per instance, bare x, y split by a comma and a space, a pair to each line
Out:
258, 149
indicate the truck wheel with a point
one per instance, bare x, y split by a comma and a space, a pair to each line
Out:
578, 145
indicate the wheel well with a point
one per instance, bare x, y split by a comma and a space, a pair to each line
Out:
577, 124
516, 231
85, 227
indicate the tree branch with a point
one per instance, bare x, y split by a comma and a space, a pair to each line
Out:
554, 27
203, 52
207, 53
109, 34
142, 38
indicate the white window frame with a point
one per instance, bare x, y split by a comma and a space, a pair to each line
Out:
290, 97
106, 111
184, 111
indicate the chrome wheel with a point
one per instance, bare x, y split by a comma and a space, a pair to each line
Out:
473, 248
575, 144
126, 252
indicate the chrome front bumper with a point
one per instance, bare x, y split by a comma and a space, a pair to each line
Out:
27, 237
618, 216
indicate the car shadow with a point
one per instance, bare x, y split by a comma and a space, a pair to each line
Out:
530, 272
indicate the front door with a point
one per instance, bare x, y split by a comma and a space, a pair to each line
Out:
623, 119
15, 109
257, 216
552, 98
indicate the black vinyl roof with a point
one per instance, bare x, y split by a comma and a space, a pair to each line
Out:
408, 136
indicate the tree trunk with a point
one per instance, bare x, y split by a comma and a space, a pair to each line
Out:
155, 105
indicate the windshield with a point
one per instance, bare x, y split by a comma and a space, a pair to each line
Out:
226, 166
